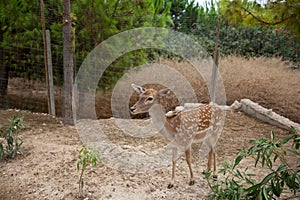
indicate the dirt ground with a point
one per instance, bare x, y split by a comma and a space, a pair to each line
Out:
47, 168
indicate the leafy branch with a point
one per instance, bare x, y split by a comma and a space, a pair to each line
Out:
11, 144
239, 184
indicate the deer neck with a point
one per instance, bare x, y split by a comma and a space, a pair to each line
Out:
157, 113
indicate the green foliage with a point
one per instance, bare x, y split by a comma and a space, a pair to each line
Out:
240, 34
235, 12
86, 157
106, 18
94, 21
11, 145
184, 14
20, 26
239, 184
254, 41
281, 13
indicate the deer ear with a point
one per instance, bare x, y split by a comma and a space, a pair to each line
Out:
138, 89
164, 91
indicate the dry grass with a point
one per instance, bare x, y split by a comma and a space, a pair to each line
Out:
267, 81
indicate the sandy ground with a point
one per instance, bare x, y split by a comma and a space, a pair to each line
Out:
47, 169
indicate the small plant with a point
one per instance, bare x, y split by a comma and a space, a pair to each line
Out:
239, 184
86, 157
10, 146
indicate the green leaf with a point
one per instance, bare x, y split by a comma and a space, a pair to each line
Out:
239, 174
281, 168
284, 152
270, 152
207, 173
81, 150
278, 189
84, 164
240, 193
263, 160
238, 160
293, 180
249, 181
267, 178
290, 183
275, 157
293, 151
257, 159
274, 188
78, 164
272, 135
260, 195
286, 139
2, 156
277, 144
251, 174
298, 179
253, 188
265, 194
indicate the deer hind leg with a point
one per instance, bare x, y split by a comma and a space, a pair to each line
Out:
215, 175
174, 159
212, 156
188, 160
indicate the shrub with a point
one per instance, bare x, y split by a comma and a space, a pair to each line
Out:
239, 184
11, 145
252, 41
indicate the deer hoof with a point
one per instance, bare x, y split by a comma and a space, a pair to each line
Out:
170, 186
192, 182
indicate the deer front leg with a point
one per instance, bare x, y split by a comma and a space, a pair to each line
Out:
174, 159
215, 176
188, 160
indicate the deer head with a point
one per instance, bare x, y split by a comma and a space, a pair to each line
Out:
147, 98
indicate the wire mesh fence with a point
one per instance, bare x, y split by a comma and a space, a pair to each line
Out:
22, 53
26, 76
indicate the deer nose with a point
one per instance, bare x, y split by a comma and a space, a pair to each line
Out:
132, 109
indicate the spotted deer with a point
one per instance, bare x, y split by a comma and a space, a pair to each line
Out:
183, 127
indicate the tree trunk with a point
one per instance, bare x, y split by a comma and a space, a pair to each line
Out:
68, 62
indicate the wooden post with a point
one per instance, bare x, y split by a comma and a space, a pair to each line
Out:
216, 65
50, 74
45, 53
68, 58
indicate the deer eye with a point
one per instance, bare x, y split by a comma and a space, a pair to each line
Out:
149, 98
